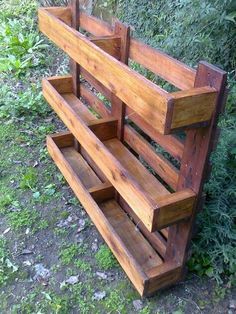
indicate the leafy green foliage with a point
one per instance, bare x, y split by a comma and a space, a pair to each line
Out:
7, 268
68, 254
20, 47
22, 218
22, 102
105, 258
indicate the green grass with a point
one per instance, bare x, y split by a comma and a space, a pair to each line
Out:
68, 254
105, 258
23, 218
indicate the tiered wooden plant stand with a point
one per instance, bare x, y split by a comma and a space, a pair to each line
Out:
145, 218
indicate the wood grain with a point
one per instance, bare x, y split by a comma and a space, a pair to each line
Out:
161, 165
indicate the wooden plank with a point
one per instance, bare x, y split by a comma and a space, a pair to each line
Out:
111, 167
96, 84
195, 160
143, 96
94, 102
78, 107
62, 13
74, 66
63, 84
136, 244
147, 182
155, 238
168, 68
190, 106
169, 142
94, 25
63, 139
80, 167
163, 276
102, 192
104, 129
174, 207
127, 261
161, 165
110, 45
117, 106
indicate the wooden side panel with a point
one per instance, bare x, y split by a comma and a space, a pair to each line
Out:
62, 13
193, 106
110, 45
174, 207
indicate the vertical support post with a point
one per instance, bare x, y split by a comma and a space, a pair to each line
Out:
74, 67
195, 161
118, 107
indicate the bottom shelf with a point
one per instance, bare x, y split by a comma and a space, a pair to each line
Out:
141, 262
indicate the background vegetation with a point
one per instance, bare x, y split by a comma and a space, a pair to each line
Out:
188, 30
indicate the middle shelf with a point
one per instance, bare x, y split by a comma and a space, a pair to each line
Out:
148, 198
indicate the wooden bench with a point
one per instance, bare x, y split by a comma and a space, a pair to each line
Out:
146, 217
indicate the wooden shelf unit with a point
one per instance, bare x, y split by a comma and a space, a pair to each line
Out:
146, 217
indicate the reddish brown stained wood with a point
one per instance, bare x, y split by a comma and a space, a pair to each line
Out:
161, 165
103, 192
117, 106
74, 66
174, 207
127, 261
195, 160
62, 13
104, 129
155, 238
169, 142
94, 102
110, 45
170, 69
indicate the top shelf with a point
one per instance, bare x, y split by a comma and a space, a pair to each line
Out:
166, 112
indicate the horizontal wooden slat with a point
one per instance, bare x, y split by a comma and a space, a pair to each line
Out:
143, 96
161, 165
94, 102
169, 142
94, 25
155, 238
168, 68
